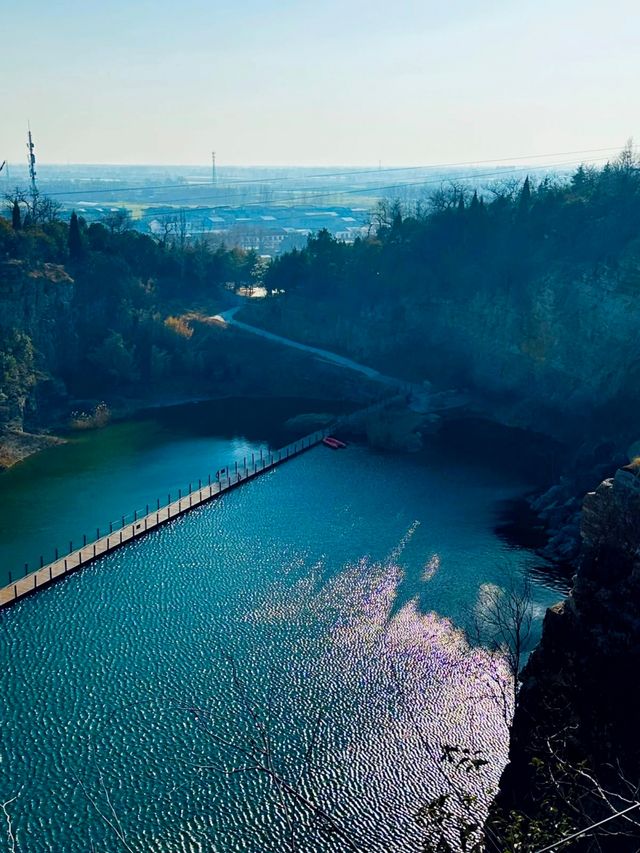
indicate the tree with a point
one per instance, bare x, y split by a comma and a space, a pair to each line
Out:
15, 201
627, 161
117, 221
74, 238
115, 360
525, 196
503, 622
16, 218
45, 210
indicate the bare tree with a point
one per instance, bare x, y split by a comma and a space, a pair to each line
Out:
446, 197
45, 210
168, 229
117, 221
18, 197
506, 189
502, 621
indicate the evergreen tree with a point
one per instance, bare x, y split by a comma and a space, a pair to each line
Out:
475, 204
525, 196
16, 219
74, 238
461, 203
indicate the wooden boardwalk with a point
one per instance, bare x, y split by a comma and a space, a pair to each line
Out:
228, 479
225, 480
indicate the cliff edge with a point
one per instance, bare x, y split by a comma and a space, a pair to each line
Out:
574, 756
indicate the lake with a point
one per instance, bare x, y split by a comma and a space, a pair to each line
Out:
293, 645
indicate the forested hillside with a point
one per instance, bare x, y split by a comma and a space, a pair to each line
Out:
98, 311
529, 296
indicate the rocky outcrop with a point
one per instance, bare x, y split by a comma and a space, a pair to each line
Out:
36, 343
37, 301
574, 734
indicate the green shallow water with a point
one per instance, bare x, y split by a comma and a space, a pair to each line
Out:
320, 604
54, 498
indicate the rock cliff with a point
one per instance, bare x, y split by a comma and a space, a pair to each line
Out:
36, 343
575, 750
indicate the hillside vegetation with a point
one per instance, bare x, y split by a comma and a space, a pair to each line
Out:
530, 296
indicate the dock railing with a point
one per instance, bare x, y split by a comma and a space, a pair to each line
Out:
131, 525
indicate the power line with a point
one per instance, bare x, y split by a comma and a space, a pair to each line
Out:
331, 194
316, 175
586, 829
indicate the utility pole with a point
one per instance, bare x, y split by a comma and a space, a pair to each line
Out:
2, 165
213, 167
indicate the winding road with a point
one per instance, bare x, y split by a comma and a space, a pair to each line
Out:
228, 319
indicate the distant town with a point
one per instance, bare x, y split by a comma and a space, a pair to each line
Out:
269, 210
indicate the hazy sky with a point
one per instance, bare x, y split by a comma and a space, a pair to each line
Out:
292, 82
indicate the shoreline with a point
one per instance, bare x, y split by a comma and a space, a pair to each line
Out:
17, 445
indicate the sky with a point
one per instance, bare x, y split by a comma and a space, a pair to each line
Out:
342, 82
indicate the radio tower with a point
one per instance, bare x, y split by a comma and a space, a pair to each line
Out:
213, 167
31, 160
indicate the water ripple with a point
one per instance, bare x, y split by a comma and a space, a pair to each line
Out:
299, 605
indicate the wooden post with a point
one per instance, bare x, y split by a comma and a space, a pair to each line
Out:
121, 536
123, 520
80, 557
84, 538
65, 564
236, 466
94, 549
70, 547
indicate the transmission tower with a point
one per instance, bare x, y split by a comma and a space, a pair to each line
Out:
31, 160
213, 167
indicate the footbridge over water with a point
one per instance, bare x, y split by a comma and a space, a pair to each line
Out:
134, 526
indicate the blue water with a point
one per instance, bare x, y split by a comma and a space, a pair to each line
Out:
306, 623
57, 497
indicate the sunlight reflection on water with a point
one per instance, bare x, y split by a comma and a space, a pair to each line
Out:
120, 677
